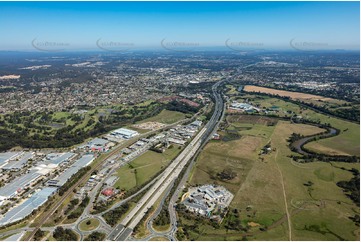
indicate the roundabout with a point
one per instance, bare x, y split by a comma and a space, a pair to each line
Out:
89, 224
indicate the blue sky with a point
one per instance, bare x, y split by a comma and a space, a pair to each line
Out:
145, 24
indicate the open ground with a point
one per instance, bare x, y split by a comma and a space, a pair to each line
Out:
268, 188
294, 95
140, 170
346, 143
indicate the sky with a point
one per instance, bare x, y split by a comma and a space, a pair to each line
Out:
90, 25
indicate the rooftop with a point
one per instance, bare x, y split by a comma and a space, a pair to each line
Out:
27, 207
64, 177
11, 188
124, 131
57, 158
18, 164
5, 157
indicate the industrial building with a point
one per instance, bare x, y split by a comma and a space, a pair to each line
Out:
64, 177
7, 156
196, 123
16, 186
25, 209
124, 133
110, 181
97, 144
58, 158
19, 162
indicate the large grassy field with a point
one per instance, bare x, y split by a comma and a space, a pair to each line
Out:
166, 117
319, 100
264, 188
140, 170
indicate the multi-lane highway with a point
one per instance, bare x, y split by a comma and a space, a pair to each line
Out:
108, 157
125, 228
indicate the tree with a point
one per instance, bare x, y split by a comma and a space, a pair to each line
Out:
95, 236
39, 235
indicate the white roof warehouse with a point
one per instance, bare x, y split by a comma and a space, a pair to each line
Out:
25, 209
64, 177
125, 133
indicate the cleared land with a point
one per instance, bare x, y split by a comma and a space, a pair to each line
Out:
294, 95
317, 212
166, 117
139, 171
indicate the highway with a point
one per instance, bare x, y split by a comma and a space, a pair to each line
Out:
108, 157
125, 228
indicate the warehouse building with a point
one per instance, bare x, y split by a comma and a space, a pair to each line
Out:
97, 144
19, 162
27, 207
124, 133
18, 185
7, 156
58, 158
65, 176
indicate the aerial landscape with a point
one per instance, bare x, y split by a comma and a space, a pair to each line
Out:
188, 121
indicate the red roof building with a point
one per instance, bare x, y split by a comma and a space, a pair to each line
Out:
108, 192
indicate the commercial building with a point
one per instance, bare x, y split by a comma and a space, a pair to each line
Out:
108, 192
205, 199
65, 176
23, 210
125, 133
244, 106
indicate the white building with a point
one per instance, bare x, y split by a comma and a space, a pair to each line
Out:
125, 133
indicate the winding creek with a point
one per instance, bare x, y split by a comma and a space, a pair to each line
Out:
298, 144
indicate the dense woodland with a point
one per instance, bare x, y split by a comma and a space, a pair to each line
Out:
62, 234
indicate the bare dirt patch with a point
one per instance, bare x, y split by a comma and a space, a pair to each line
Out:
149, 125
294, 95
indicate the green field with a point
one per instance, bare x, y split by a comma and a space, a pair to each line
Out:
94, 223
166, 117
317, 212
140, 170
346, 143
